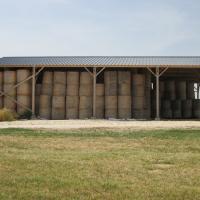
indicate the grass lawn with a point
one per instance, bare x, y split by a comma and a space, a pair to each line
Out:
100, 164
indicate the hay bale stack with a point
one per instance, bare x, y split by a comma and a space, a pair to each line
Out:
181, 90
72, 95
100, 102
1, 89
47, 83
124, 94
9, 82
190, 90
176, 109
23, 90
46, 95
110, 81
58, 107
138, 98
85, 93
166, 109
170, 90
196, 108
37, 98
45, 106
187, 109
59, 93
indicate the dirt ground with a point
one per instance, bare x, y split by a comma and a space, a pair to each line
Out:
107, 124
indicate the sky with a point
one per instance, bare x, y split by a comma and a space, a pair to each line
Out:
99, 27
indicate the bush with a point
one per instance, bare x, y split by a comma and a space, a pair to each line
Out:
7, 115
25, 115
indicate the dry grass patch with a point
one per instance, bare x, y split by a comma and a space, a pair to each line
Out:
97, 164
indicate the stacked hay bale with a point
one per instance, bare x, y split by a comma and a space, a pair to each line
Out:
181, 90
110, 80
138, 92
190, 90
187, 109
23, 91
37, 97
148, 88
168, 102
196, 108
72, 95
176, 109
1, 89
59, 93
100, 103
9, 82
124, 94
85, 93
46, 95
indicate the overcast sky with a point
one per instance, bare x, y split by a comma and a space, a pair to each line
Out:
99, 27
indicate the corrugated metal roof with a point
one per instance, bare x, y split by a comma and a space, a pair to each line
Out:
103, 61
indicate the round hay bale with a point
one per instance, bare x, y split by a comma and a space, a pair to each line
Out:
57, 114
138, 79
72, 78
124, 89
47, 77
124, 102
45, 113
181, 90
100, 104
138, 103
72, 102
24, 89
59, 89
25, 100
58, 102
47, 89
85, 113
45, 102
99, 89
60, 78
72, 107
138, 114
187, 109
86, 78
72, 90
72, 113
9, 77
85, 103
22, 74
124, 77
9, 104
166, 105
110, 81
86, 90
111, 113
138, 91
190, 90
170, 90
38, 89
8, 89
124, 113
176, 105
111, 102
196, 108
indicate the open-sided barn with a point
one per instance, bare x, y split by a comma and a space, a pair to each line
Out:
138, 87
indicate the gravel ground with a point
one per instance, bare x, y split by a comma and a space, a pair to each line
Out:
106, 124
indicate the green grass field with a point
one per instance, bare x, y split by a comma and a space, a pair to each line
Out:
99, 164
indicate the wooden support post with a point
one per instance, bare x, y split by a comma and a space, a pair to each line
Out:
157, 94
33, 92
94, 91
